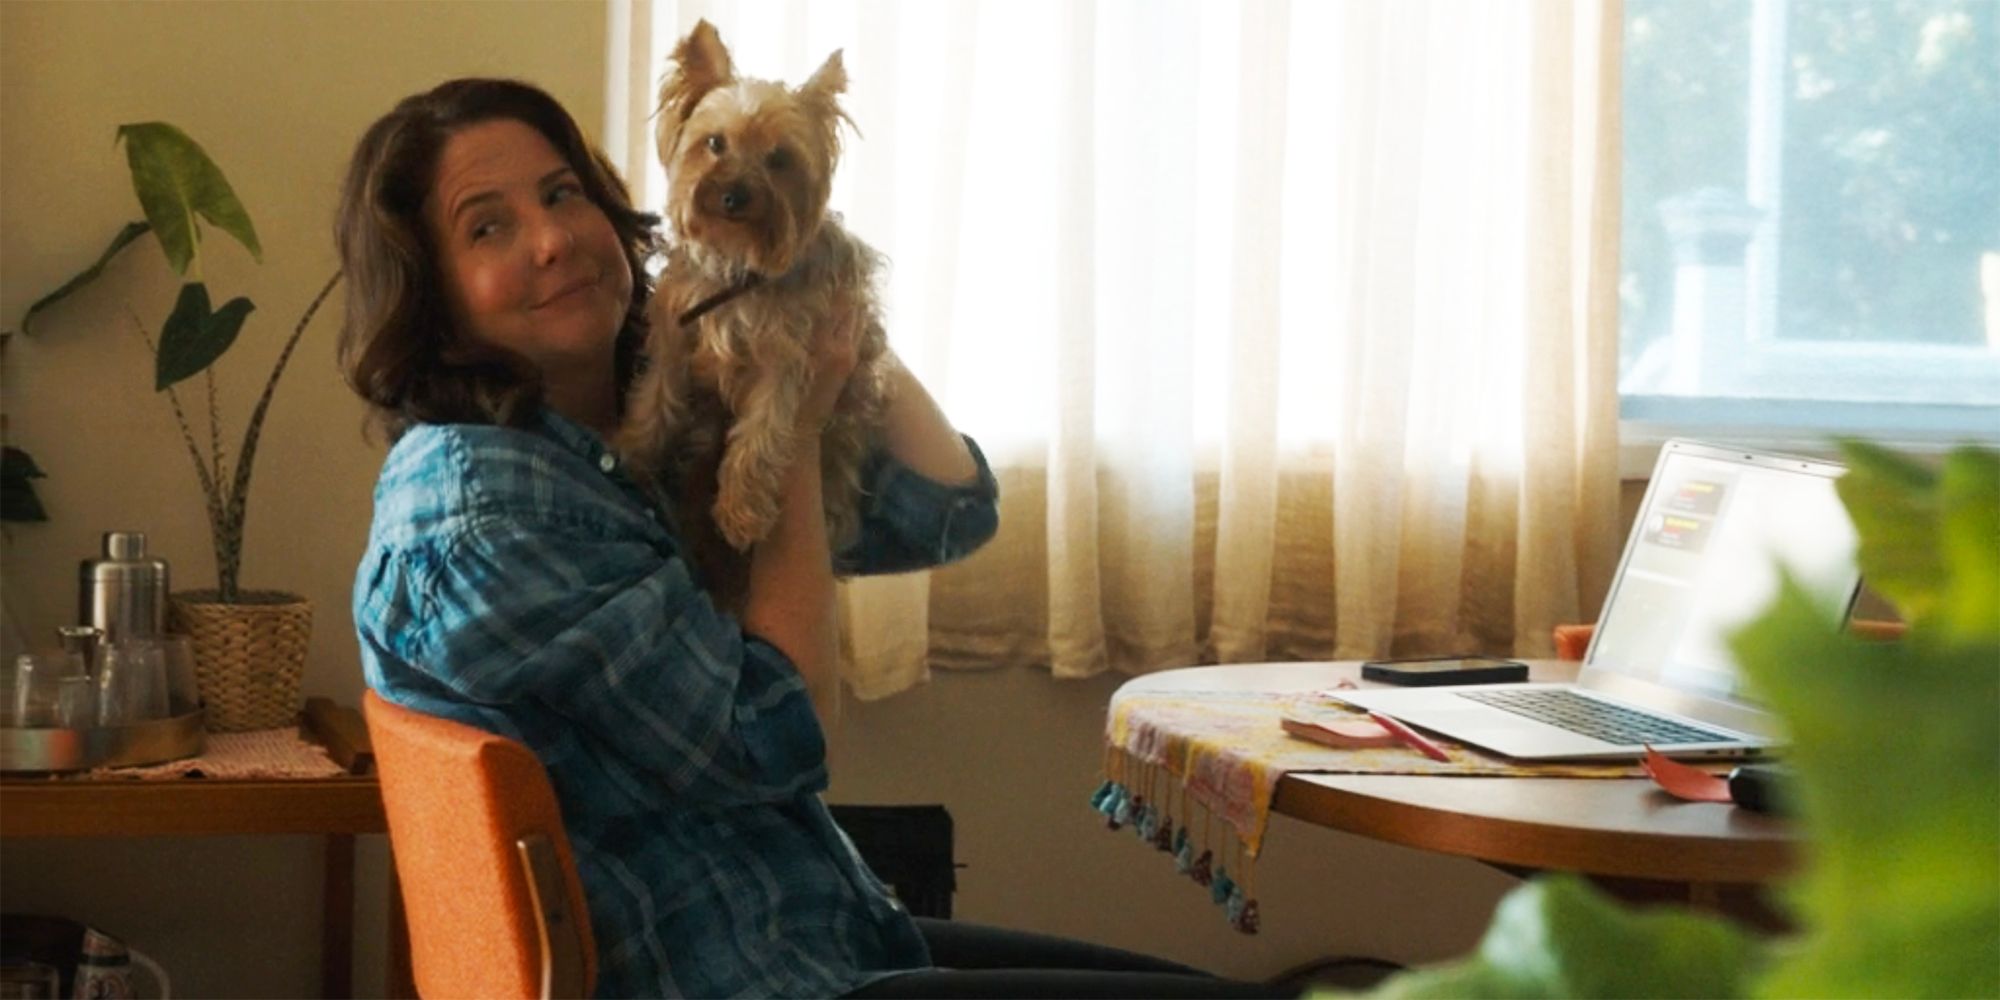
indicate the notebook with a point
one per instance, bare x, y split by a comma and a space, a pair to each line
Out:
1702, 560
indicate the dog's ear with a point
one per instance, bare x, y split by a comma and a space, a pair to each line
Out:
822, 91
701, 64
830, 79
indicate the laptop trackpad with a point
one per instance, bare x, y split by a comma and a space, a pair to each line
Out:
1472, 725
1507, 735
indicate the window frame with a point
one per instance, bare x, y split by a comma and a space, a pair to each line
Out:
1783, 419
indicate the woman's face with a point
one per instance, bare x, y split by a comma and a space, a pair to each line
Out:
530, 263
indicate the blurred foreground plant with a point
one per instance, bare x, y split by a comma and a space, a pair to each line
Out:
1896, 747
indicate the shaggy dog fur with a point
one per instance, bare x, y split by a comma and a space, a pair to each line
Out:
755, 267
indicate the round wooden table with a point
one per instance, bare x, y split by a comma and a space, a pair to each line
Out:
1627, 834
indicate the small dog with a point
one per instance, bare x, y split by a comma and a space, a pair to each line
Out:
755, 266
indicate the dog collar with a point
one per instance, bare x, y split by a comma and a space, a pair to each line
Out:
708, 305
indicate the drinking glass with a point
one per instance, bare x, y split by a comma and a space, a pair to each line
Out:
131, 682
37, 678
183, 690
75, 702
10, 687
80, 642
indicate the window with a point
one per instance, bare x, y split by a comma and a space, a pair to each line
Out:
1811, 239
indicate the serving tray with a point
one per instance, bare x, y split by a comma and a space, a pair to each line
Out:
150, 742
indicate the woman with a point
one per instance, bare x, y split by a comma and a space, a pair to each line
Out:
516, 580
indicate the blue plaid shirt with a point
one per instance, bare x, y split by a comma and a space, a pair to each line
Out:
517, 581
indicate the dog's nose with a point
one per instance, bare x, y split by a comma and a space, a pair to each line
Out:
736, 199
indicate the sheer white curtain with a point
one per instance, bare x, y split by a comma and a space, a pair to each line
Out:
1289, 326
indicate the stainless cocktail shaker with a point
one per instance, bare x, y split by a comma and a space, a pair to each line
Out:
123, 593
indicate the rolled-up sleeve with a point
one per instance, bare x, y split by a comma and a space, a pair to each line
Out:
618, 640
910, 522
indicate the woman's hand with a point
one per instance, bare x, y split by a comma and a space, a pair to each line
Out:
836, 349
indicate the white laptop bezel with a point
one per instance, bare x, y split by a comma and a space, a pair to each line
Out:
1738, 715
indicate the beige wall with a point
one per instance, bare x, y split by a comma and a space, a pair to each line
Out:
278, 92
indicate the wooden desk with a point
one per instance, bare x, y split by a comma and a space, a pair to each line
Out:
336, 808
1626, 834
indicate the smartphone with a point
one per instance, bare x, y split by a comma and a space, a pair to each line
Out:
1427, 671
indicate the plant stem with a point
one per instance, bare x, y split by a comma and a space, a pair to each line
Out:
229, 530
208, 483
214, 424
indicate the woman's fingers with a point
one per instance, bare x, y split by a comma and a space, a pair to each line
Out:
840, 336
836, 350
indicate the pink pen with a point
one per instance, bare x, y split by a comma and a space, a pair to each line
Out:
1410, 736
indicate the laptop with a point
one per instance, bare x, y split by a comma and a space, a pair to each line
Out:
1702, 561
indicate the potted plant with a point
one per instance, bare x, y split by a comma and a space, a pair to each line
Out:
250, 645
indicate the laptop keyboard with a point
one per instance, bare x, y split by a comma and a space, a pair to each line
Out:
1565, 709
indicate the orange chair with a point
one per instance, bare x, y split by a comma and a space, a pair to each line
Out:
1572, 641
490, 889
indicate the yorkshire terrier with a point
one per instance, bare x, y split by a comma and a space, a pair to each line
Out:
755, 266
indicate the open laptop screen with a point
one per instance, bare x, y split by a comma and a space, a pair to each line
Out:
1703, 560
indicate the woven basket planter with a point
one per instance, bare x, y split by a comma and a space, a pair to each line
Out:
249, 657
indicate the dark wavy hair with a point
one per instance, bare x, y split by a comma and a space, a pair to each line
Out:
399, 348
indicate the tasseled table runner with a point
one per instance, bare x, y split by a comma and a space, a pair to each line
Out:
1175, 763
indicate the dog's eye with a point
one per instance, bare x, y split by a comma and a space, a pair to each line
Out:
778, 159
716, 145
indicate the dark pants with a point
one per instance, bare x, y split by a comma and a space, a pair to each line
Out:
977, 961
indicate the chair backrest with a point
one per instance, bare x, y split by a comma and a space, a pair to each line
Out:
490, 889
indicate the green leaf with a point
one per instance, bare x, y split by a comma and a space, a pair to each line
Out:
1557, 936
193, 337
132, 231
18, 501
17, 466
1896, 745
1969, 498
1891, 498
175, 181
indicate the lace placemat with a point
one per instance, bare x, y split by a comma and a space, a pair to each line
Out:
261, 753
